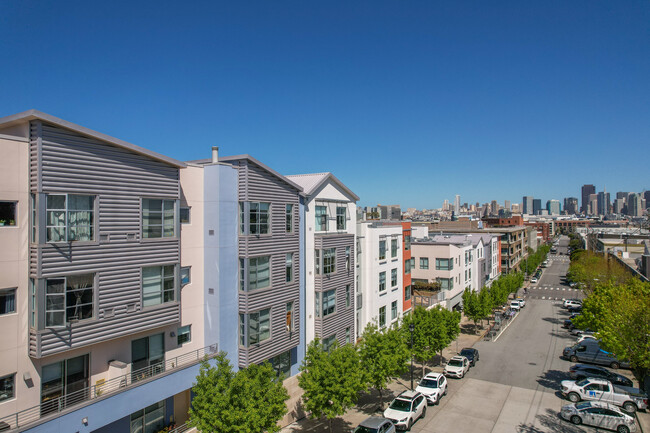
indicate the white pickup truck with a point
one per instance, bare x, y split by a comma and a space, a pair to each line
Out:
630, 399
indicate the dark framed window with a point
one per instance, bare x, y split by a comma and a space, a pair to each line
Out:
158, 285
150, 419
70, 218
289, 218
407, 293
184, 215
382, 281
341, 217
7, 213
393, 310
158, 219
329, 260
7, 301
329, 342
382, 250
444, 264
68, 299
424, 263
254, 218
257, 326
184, 334
393, 277
329, 302
259, 272
382, 317
289, 267
393, 248
321, 218
348, 296
7, 387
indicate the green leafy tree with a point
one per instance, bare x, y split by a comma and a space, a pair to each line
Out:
331, 380
620, 315
228, 401
422, 322
384, 355
472, 307
439, 337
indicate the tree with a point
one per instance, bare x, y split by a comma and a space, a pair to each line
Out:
620, 315
422, 334
383, 356
472, 307
228, 401
331, 380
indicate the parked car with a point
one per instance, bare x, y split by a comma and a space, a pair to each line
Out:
599, 414
568, 323
405, 409
584, 337
533, 280
457, 367
580, 332
471, 354
589, 351
375, 424
433, 386
630, 399
522, 302
583, 371
571, 302
575, 308
514, 305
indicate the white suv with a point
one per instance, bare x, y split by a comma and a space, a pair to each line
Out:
433, 386
457, 367
571, 303
407, 408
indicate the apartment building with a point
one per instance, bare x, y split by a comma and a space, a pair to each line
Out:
380, 261
330, 226
97, 337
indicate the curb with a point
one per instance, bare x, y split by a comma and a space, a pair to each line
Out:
506, 327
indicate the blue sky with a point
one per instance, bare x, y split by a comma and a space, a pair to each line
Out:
407, 102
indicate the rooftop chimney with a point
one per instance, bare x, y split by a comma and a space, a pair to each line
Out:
215, 154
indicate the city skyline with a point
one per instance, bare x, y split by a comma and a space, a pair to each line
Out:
510, 97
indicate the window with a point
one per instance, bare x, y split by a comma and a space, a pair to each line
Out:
407, 293
150, 419
317, 263
465, 274
341, 218
407, 242
393, 248
70, 218
254, 218
289, 318
393, 310
33, 217
258, 327
289, 267
68, 299
317, 304
347, 258
382, 250
259, 274
184, 215
288, 218
329, 259
158, 285
157, 218
382, 281
348, 298
321, 218
328, 343
407, 267
444, 264
186, 275
184, 334
7, 301
7, 213
446, 283
393, 277
33, 306
329, 302
63, 378
382, 317
7, 387
347, 335
424, 263
282, 364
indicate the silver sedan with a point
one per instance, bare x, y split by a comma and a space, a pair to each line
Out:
602, 415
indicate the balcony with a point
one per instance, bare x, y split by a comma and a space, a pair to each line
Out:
429, 300
56, 407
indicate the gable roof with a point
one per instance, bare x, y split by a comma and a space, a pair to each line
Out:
262, 166
311, 182
28, 115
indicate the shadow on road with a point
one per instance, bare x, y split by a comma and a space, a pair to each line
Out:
563, 335
551, 379
553, 320
551, 423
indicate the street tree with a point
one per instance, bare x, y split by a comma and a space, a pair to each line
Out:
472, 307
422, 349
383, 355
331, 381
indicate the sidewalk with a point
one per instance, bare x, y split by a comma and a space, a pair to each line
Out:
368, 404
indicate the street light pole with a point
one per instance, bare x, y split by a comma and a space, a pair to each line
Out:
411, 328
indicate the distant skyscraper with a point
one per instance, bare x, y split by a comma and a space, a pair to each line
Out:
603, 203
507, 205
619, 205
586, 191
592, 207
571, 205
646, 197
553, 207
457, 205
445, 205
537, 206
516, 208
528, 205
494, 207
634, 205
622, 195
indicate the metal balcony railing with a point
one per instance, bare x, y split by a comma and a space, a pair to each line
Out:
429, 301
49, 408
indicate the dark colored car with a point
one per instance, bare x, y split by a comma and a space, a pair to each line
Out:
575, 308
583, 371
471, 354
568, 323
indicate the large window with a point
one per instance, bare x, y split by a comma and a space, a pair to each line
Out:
7, 213
382, 250
70, 218
158, 218
329, 260
64, 378
393, 310
256, 325
407, 242
7, 301
382, 281
282, 364
329, 302
444, 264
7, 387
407, 266
68, 299
393, 277
407, 293
259, 273
184, 334
158, 285
341, 218
424, 263
393, 248
321, 218
289, 267
382, 317
329, 342
288, 218
446, 283
254, 218
149, 420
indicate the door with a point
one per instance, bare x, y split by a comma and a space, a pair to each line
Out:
592, 391
64, 383
147, 356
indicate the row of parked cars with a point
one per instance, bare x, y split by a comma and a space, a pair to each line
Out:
410, 406
599, 397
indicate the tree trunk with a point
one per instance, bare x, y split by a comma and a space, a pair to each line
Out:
330, 423
381, 401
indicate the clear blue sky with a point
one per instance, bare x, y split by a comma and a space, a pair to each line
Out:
407, 102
